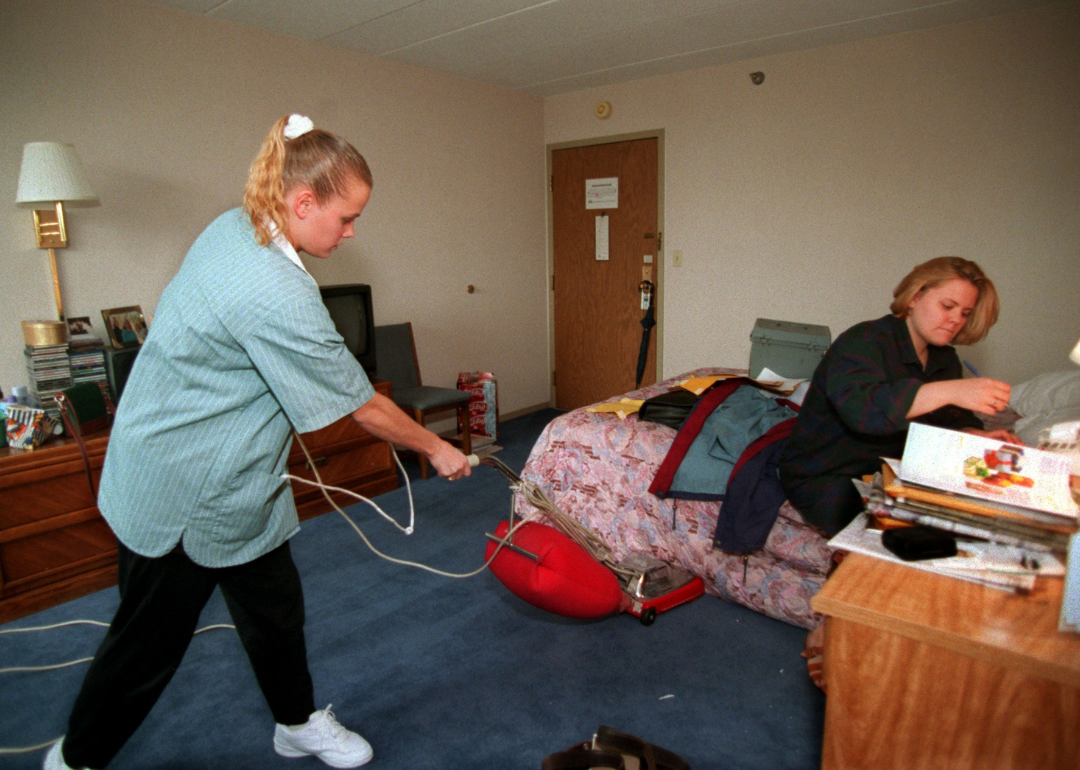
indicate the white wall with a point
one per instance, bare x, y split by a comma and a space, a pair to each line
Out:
808, 198
167, 110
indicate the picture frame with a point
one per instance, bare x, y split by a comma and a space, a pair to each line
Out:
78, 327
125, 326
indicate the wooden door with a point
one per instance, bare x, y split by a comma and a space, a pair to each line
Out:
597, 303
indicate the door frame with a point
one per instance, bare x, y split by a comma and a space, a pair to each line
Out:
658, 264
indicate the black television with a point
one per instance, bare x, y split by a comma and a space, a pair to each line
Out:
350, 309
118, 363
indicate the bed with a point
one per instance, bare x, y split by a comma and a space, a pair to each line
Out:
597, 467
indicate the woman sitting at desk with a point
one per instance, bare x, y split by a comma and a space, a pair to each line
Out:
877, 377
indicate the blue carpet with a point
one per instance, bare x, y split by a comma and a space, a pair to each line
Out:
440, 673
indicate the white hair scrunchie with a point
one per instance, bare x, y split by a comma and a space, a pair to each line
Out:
298, 125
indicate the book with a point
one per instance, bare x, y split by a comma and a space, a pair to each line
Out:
1024, 532
977, 472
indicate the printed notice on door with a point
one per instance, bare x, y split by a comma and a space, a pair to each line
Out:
602, 193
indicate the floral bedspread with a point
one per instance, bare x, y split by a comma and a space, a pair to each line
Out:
597, 468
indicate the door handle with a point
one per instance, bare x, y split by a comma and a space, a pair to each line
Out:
646, 289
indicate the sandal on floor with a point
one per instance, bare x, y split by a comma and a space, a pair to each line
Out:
583, 757
612, 749
814, 658
649, 757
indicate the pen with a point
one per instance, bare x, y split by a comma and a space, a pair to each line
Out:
972, 368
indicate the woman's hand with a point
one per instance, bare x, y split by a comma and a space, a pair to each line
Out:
384, 419
449, 462
979, 394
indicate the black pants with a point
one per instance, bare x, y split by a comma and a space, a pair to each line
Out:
160, 603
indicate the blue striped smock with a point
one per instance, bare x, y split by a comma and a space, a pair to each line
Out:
241, 351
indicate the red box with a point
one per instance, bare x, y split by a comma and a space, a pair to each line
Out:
483, 403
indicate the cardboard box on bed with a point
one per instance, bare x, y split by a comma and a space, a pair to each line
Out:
792, 350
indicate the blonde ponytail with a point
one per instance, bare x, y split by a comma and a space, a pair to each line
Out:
264, 196
316, 159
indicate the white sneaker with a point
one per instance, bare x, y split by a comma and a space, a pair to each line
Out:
54, 760
324, 738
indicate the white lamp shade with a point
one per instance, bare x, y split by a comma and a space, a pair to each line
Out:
51, 172
1075, 355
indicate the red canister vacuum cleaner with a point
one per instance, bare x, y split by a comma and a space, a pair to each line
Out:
567, 569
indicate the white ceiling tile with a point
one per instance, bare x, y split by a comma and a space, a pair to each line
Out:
553, 46
306, 20
425, 20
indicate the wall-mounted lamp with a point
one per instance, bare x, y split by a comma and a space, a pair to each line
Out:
52, 175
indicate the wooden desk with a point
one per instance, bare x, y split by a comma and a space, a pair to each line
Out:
929, 671
54, 545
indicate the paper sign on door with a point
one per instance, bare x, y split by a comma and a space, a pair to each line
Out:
602, 193
603, 252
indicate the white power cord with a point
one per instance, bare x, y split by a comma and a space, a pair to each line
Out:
326, 489
473, 461
14, 669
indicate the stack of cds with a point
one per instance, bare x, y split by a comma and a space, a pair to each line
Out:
49, 371
87, 354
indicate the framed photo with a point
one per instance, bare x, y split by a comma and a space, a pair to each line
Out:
125, 326
78, 327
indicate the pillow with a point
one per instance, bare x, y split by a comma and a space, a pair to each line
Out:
1046, 393
1045, 401
566, 580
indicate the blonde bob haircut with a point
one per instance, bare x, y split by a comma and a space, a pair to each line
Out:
937, 271
318, 159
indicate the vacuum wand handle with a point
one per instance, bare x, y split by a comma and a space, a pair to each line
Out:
474, 461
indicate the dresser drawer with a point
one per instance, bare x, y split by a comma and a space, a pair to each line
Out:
46, 493
347, 468
343, 431
38, 558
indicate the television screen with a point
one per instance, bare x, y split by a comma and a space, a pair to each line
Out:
351, 311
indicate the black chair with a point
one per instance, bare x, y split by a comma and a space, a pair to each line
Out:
86, 408
395, 360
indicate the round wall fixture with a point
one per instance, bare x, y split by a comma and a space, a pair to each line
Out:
603, 110
757, 78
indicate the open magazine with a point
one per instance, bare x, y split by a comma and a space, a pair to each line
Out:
1007, 476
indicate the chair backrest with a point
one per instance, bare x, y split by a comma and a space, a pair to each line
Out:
395, 355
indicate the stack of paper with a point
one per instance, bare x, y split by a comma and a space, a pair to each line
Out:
1009, 506
1004, 488
767, 380
1008, 568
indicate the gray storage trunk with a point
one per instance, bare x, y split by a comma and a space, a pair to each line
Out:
792, 350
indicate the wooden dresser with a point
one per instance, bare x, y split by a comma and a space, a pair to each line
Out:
54, 545
927, 671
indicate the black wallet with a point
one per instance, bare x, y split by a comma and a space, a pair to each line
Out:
917, 543
670, 408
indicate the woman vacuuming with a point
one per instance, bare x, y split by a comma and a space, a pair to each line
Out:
241, 352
